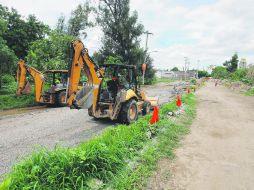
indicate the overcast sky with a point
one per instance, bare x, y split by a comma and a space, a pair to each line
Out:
207, 30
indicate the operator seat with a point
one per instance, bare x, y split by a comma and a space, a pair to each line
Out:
113, 86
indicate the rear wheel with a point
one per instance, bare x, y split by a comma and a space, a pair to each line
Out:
129, 112
146, 108
60, 99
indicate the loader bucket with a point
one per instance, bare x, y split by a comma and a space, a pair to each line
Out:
153, 100
84, 97
27, 89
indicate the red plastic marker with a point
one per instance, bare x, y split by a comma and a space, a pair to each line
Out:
178, 101
188, 90
155, 116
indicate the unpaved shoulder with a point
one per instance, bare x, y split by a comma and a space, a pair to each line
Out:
218, 153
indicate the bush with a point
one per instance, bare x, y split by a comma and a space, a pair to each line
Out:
220, 72
8, 79
8, 84
250, 92
193, 81
202, 74
238, 75
250, 75
12, 101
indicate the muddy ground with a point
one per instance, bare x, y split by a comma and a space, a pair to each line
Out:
23, 129
219, 151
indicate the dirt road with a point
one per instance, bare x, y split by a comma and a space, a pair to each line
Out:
219, 152
20, 133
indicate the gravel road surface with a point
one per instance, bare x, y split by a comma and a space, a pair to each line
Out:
219, 152
21, 133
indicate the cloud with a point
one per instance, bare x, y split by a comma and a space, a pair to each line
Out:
206, 30
46, 10
211, 32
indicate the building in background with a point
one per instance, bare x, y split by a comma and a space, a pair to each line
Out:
177, 75
243, 64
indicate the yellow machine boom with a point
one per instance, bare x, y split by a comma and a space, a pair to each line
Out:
81, 60
37, 76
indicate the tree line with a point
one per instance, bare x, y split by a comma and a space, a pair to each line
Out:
47, 48
230, 71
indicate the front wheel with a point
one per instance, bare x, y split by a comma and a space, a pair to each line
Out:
129, 112
146, 108
90, 111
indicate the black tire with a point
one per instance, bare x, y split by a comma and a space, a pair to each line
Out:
146, 108
60, 99
90, 111
129, 112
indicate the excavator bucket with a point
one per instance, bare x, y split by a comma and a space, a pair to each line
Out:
27, 89
84, 97
153, 100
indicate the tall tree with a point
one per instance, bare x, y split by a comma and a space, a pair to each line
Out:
78, 21
20, 33
121, 30
7, 56
232, 64
50, 53
61, 26
174, 69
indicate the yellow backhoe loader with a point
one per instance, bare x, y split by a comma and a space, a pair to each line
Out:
111, 91
57, 91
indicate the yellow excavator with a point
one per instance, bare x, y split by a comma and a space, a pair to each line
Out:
112, 91
57, 91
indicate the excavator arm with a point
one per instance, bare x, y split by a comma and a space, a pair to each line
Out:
81, 60
21, 77
37, 76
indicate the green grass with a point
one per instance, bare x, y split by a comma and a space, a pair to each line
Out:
9, 100
167, 140
166, 80
8, 89
105, 158
12, 101
250, 92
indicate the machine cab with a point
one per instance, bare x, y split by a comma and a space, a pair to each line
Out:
116, 78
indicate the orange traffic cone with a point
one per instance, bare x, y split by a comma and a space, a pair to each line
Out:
188, 90
155, 116
178, 101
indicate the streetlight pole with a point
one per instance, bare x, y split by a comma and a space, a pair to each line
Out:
198, 67
147, 36
144, 64
185, 67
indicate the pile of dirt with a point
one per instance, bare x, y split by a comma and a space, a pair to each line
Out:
237, 86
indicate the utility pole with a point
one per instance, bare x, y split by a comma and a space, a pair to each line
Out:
186, 66
147, 36
198, 67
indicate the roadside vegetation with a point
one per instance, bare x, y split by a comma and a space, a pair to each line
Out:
232, 74
122, 157
12, 101
165, 80
250, 92
8, 99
